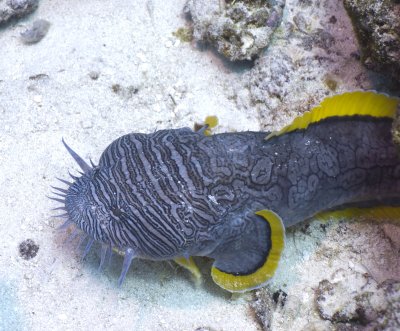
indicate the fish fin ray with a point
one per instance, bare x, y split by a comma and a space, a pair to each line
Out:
189, 264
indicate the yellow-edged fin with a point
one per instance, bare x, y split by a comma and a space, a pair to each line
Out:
190, 265
380, 213
211, 122
242, 283
347, 104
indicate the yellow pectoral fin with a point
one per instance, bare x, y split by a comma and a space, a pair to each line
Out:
190, 265
253, 270
211, 122
358, 103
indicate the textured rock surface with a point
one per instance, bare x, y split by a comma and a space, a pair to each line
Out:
352, 286
240, 29
377, 24
358, 301
10, 9
314, 54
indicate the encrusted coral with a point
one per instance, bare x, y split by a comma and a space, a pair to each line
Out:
377, 24
240, 29
359, 302
16, 9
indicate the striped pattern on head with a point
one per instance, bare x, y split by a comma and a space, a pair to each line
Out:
143, 199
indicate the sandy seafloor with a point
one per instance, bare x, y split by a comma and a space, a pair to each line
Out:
163, 83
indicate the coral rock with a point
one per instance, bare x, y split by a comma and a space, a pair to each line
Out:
16, 9
240, 29
377, 24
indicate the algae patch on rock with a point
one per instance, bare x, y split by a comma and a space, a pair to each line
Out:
184, 34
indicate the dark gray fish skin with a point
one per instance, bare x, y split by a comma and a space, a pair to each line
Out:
179, 193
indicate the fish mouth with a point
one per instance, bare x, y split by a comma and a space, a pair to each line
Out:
74, 204
72, 199
67, 197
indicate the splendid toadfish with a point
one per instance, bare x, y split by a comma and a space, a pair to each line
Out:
174, 194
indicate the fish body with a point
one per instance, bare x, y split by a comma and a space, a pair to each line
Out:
178, 193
